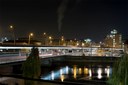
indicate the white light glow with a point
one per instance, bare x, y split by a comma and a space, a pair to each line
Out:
67, 69
107, 71
61, 71
99, 73
90, 73
52, 75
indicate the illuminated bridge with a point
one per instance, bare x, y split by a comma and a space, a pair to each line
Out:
18, 53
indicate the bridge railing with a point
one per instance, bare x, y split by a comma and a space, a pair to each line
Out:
19, 80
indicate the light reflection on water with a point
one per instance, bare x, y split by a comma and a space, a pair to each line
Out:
99, 72
108, 71
78, 73
90, 72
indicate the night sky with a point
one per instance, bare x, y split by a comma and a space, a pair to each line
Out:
79, 18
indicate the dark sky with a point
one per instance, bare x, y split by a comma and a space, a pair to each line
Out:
81, 18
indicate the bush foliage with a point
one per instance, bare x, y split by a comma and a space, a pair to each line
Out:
120, 72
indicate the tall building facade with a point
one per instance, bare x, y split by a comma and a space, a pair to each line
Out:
114, 39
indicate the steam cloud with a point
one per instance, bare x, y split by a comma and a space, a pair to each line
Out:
61, 10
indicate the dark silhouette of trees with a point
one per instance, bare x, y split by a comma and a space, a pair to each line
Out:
32, 66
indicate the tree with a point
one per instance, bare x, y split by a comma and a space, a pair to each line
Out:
120, 72
32, 66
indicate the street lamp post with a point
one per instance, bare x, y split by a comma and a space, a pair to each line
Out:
29, 38
50, 40
44, 38
62, 40
12, 28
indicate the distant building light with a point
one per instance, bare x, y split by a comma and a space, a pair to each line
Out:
77, 44
114, 32
4, 39
83, 44
87, 40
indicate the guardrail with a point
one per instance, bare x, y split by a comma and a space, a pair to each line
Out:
18, 80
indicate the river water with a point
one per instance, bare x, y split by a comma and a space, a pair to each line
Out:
77, 72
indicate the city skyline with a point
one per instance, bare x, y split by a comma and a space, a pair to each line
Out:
81, 18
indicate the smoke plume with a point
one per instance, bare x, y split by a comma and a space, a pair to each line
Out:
61, 10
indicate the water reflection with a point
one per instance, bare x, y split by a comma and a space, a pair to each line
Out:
61, 71
62, 78
77, 73
56, 74
86, 71
99, 71
74, 71
67, 68
108, 71
52, 75
90, 73
80, 71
